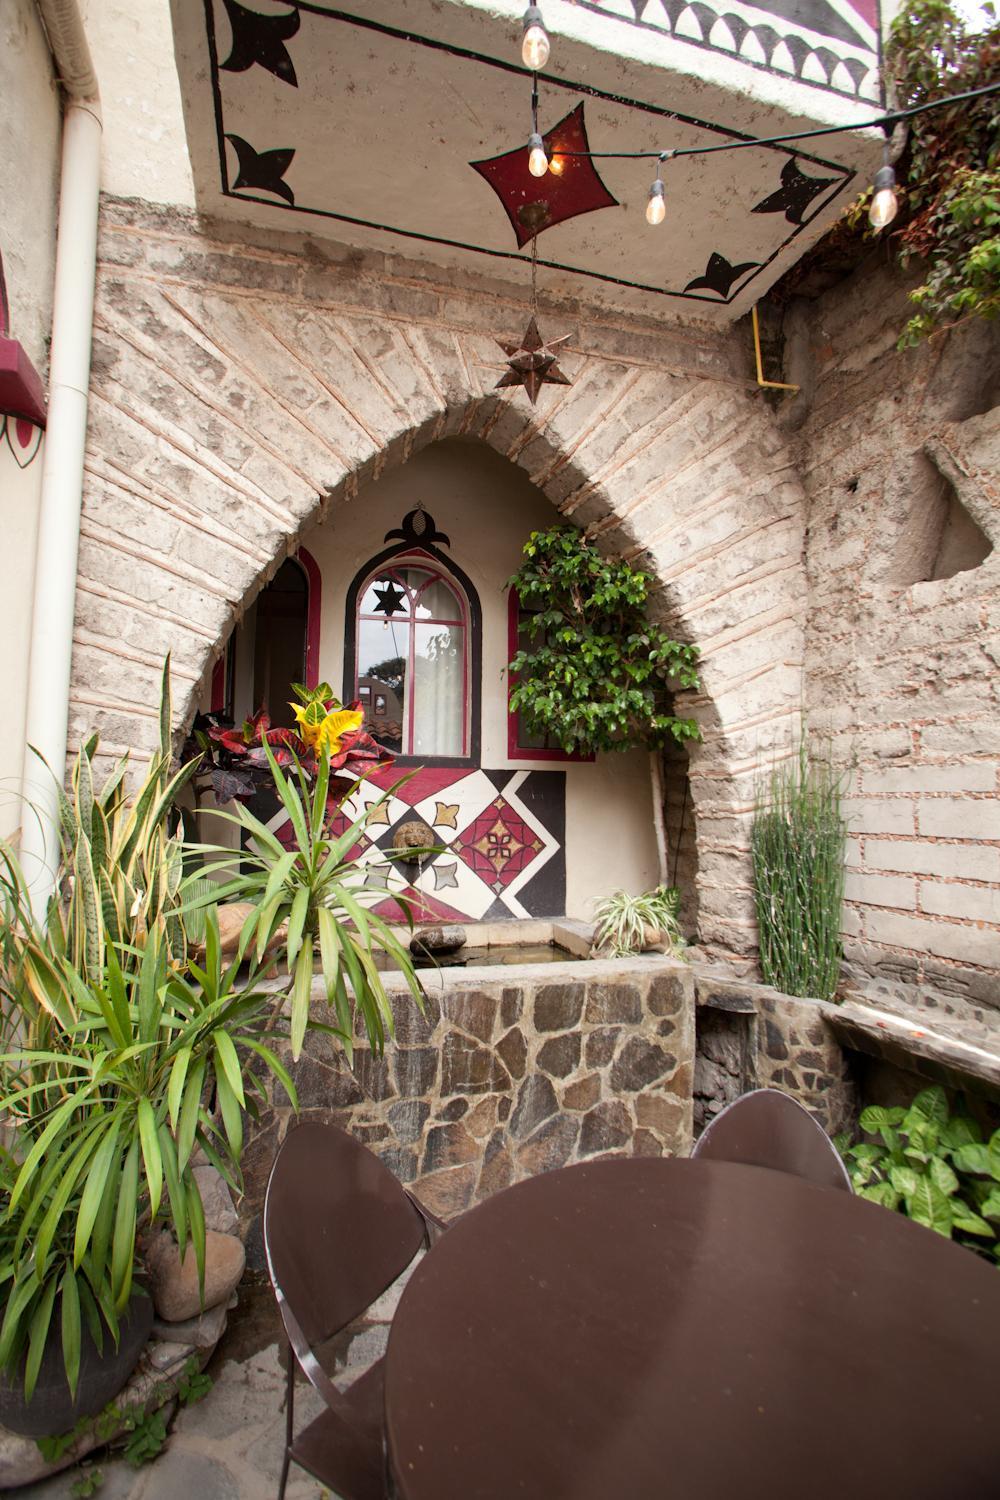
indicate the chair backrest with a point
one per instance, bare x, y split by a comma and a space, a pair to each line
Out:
338, 1229
769, 1129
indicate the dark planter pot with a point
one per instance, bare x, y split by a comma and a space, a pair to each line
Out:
52, 1409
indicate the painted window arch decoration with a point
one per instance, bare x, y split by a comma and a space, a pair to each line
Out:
414, 648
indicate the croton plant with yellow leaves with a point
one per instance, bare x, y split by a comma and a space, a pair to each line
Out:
238, 763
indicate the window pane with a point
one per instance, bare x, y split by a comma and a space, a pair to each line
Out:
439, 685
382, 654
437, 602
385, 589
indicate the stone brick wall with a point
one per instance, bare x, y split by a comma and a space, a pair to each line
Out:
751, 1036
902, 662
507, 1075
246, 385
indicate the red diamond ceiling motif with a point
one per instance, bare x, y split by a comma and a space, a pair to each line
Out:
571, 186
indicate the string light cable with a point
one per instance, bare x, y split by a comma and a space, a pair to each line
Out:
884, 201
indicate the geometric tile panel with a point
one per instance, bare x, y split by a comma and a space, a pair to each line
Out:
499, 836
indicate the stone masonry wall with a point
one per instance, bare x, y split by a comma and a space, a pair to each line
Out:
245, 385
509, 1073
751, 1036
902, 664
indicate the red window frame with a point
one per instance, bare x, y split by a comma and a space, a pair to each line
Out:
392, 569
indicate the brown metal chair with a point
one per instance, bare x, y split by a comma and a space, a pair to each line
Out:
338, 1230
767, 1128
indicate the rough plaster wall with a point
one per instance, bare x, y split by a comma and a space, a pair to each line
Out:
29, 174
904, 672
240, 392
144, 151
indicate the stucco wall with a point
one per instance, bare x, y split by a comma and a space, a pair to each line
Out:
902, 664
487, 507
29, 181
29, 174
144, 151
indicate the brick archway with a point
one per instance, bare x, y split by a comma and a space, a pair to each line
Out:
239, 395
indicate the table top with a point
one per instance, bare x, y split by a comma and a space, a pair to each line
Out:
640, 1327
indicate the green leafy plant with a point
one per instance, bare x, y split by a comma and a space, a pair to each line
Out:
951, 166
194, 1385
116, 1044
625, 924
932, 1166
597, 674
87, 1483
325, 898
147, 1436
797, 847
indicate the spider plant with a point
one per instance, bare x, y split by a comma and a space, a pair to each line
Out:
624, 923
326, 898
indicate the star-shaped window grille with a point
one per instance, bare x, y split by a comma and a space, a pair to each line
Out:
570, 187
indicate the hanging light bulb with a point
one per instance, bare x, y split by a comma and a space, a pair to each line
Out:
884, 201
535, 47
538, 162
656, 208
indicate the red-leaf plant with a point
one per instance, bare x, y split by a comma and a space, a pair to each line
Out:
236, 761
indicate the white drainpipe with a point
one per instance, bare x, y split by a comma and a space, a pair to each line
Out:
62, 469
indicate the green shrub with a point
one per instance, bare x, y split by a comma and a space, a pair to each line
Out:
932, 1166
797, 847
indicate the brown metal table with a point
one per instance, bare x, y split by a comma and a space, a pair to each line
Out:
636, 1328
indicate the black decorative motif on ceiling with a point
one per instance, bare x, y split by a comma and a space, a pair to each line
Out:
261, 40
795, 194
720, 274
263, 169
263, 172
696, 23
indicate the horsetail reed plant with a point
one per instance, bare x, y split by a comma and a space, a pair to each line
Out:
797, 845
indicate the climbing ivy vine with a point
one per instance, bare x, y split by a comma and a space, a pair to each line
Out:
596, 673
951, 166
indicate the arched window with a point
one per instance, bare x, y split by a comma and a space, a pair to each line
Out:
414, 650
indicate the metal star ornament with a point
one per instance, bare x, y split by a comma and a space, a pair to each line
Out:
531, 363
390, 599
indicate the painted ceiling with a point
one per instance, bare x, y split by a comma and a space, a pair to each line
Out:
400, 126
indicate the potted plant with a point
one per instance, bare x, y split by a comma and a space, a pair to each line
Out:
626, 924
234, 761
116, 1043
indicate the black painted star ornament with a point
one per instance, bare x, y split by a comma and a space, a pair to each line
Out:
390, 599
263, 169
795, 194
261, 40
531, 363
720, 274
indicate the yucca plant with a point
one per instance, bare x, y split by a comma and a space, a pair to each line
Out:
625, 923
115, 1045
325, 897
797, 846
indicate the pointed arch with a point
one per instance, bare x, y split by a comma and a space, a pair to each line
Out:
252, 395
